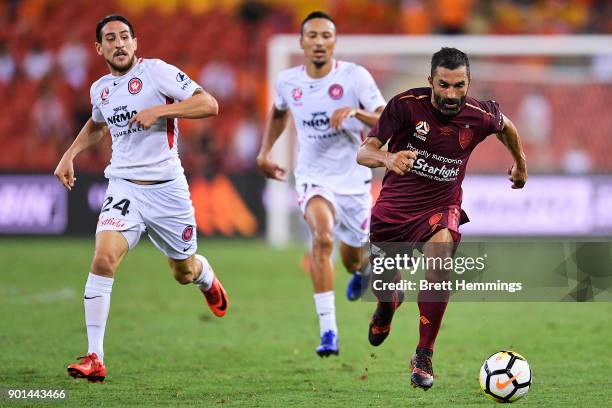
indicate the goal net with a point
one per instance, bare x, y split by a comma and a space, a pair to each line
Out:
556, 89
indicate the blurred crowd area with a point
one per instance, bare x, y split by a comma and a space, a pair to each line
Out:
48, 62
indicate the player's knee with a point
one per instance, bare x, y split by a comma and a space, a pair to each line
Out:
438, 274
352, 264
105, 264
322, 242
183, 274
183, 278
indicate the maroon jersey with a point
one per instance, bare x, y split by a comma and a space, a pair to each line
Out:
443, 146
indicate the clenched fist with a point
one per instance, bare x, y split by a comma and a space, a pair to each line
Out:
518, 176
401, 162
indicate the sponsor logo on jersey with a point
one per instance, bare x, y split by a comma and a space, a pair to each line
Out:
297, 93
465, 137
180, 77
104, 93
319, 121
421, 130
438, 173
335, 91
187, 233
121, 116
186, 84
135, 85
110, 222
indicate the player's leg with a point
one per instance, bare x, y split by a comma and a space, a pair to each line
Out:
171, 226
356, 262
385, 241
111, 247
352, 229
119, 229
388, 301
319, 215
197, 270
432, 305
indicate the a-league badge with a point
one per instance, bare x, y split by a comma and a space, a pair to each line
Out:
335, 91
134, 86
296, 94
104, 93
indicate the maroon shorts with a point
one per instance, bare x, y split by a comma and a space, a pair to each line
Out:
418, 229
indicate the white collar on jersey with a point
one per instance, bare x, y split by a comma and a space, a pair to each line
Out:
335, 64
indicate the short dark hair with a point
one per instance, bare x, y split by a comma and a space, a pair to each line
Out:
313, 15
108, 19
450, 58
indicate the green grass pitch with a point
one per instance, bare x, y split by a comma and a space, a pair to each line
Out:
164, 347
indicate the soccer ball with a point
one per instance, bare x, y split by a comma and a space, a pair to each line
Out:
505, 376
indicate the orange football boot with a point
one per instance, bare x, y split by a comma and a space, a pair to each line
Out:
90, 368
216, 297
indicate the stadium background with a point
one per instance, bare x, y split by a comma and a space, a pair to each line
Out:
47, 63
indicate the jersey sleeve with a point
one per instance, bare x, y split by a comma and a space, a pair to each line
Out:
173, 82
369, 95
96, 113
493, 118
280, 102
390, 122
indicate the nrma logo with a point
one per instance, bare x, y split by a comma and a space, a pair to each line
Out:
121, 116
319, 121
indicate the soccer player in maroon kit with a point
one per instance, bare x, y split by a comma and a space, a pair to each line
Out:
431, 133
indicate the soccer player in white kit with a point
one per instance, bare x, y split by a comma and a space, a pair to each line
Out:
330, 101
138, 103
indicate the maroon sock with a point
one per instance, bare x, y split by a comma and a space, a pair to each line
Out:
432, 305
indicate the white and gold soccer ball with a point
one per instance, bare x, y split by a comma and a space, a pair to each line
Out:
505, 376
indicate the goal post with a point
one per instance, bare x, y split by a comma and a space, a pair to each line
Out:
400, 56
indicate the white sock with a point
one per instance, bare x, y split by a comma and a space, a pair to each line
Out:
326, 309
97, 303
205, 280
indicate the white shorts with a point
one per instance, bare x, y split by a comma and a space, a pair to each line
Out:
163, 211
351, 211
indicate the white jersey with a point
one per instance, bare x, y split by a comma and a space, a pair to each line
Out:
327, 157
138, 153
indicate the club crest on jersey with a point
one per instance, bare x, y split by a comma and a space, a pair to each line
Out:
104, 93
134, 86
335, 91
297, 93
465, 137
187, 233
421, 130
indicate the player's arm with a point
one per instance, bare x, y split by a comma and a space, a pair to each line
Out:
371, 155
510, 138
369, 118
198, 106
276, 123
89, 135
